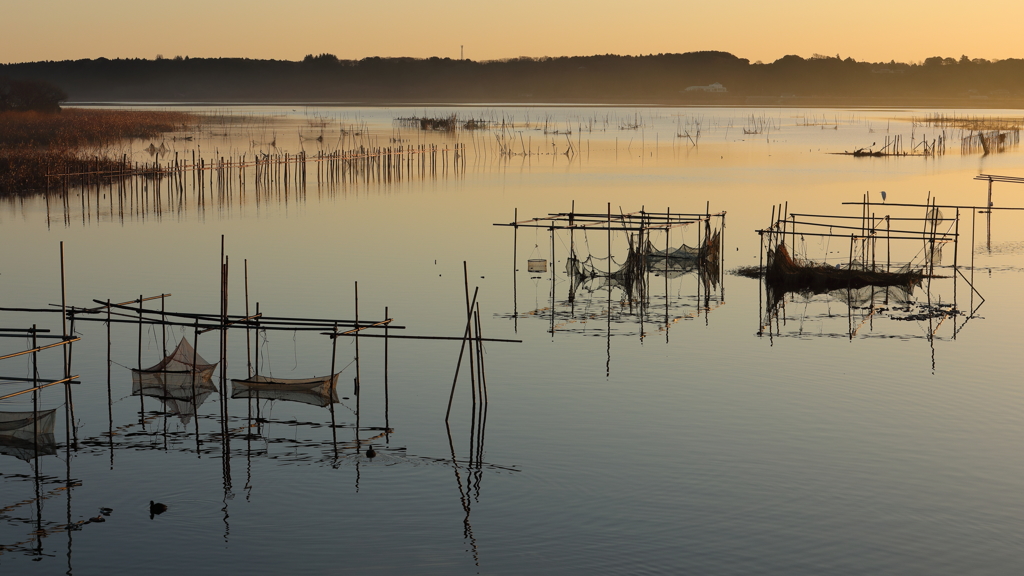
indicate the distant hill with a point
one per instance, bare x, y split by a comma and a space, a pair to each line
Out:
605, 79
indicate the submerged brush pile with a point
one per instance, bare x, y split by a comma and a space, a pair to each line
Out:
784, 273
74, 141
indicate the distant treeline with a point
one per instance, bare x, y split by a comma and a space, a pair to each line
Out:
655, 79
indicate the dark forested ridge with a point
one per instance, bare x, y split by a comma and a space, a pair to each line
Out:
653, 79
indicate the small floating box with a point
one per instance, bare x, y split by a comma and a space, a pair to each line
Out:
537, 265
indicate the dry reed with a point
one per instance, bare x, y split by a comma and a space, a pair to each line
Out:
34, 145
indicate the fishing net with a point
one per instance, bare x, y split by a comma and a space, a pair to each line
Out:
787, 274
25, 434
591, 267
594, 273
182, 381
685, 258
314, 391
183, 359
672, 262
684, 252
870, 296
933, 255
180, 393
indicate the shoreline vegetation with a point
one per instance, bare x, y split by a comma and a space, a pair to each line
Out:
75, 141
695, 78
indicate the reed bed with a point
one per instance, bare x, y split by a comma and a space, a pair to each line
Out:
975, 123
449, 123
34, 145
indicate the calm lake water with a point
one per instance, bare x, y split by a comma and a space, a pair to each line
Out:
696, 439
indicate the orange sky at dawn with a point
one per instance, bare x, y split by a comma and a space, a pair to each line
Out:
908, 31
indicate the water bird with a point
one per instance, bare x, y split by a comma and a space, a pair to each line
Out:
106, 511
370, 452
156, 508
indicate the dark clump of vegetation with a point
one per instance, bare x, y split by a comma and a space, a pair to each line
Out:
30, 95
36, 144
784, 273
441, 123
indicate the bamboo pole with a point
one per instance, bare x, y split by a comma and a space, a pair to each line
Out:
35, 400
325, 323
69, 407
988, 218
41, 348
195, 400
110, 399
334, 429
64, 381
458, 365
142, 403
248, 343
515, 277
358, 380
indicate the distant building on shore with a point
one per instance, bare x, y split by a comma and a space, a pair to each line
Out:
716, 87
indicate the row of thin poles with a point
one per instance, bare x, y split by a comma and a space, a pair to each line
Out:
472, 351
144, 190
785, 228
71, 434
66, 346
473, 338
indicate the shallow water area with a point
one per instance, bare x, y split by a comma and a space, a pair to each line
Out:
703, 429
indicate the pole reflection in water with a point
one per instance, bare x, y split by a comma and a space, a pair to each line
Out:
620, 294
182, 382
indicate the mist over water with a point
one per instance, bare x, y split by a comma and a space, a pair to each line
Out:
684, 435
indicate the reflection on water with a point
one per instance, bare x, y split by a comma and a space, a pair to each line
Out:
891, 444
320, 392
181, 381
27, 427
868, 282
803, 315
647, 290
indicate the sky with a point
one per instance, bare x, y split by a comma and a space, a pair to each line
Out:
906, 31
